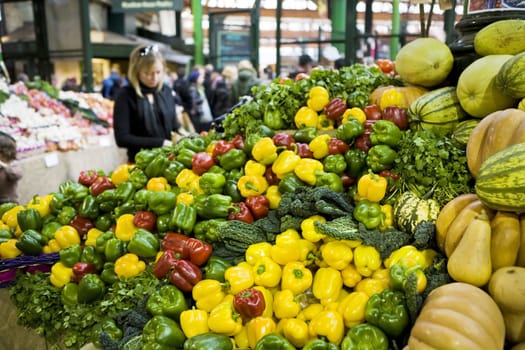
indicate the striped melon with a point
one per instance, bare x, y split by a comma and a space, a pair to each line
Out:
410, 210
437, 109
511, 77
500, 184
462, 131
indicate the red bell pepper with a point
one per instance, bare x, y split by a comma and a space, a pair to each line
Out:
336, 146
396, 115
164, 264
335, 108
81, 224
347, 180
259, 205
87, 177
201, 162
270, 176
363, 142
303, 150
175, 242
82, 268
284, 139
185, 275
197, 251
238, 141
241, 212
101, 184
372, 112
221, 147
249, 303
145, 219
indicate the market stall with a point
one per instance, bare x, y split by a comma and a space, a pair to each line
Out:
369, 206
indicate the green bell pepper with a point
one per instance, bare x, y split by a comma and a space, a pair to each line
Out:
385, 132
89, 207
213, 206
69, 294
157, 166
329, 180
163, 223
107, 326
162, 333
141, 199
30, 242
355, 162
305, 135
215, 268
73, 191
235, 174
102, 239
107, 200
207, 230
124, 208
185, 156
184, 217
69, 256
6, 206
173, 169
216, 169
387, 310
144, 244
273, 119
58, 201
320, 344
400, 272
273, 341
365, 336
90, 288
104, 222
233, 159
168, 301
231, 189
249, 142
108, 274
335, 163
380, 157
368, 213
290, 183
161, 202
196, 144
124, 192
114, 248
29, 219
138, 178
211, 183
66, 214
210, 341
144, 157
5, 235
90, 255
349, 130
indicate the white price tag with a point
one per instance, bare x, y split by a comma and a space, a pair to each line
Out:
51, 160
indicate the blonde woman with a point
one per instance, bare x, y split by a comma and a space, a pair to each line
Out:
145, 113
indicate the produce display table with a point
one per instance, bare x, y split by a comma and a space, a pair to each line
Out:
42, 174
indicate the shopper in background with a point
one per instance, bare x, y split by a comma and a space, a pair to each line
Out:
111, 84
304, 66
246, 80
9, 173
209, 72
181, 86
339, 63
200, 112
221, 90
144, 114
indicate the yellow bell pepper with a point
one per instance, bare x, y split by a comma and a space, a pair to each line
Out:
158, 184
185, 197
324, 123
336, 254
188, 181
329, 324
318, 98
309, 231
274, 196
267, 273
327, 284
372, 187
366, 260
354, 112
352, 308
350, 276
296, 277
268, 300
285, 305
251, 167
319, 146
121, 174
92, 235
258, 327
307, 170
52, 246
60, 275
382, 275
388, 217
309, 312
207, 294
252, 185
264, 151
391, 97
224, 320
241, 339
370, 286
285, 163
411, 256
125, 228
41, 203
4, 226
295, 330
129, 265
211, 146
256, 251
239, 277
9, 250
67, 236
10, 216
306, 117
285, 250
194, 322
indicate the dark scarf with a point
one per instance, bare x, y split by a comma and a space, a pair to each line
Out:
159, 117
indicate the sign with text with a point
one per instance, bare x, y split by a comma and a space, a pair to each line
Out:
233, 47
146, 5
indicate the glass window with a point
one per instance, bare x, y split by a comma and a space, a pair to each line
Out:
19, 21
